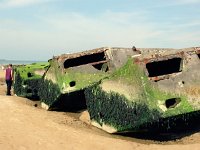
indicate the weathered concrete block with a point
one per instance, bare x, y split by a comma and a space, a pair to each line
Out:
70, 74
28, 79
159, 88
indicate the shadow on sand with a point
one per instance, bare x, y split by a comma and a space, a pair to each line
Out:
167, 129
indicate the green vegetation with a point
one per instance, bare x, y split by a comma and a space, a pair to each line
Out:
28, 71
28, 79
48, 92
138, 105
60, 83
115, 109
81, 79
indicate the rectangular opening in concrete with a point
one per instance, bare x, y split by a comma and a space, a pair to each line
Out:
164, 67
198, 55
97, 60
172, 103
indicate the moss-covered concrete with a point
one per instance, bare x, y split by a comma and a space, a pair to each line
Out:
123, 89
28, 78
129, 100
70, 74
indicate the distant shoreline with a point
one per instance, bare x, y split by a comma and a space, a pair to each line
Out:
18, 62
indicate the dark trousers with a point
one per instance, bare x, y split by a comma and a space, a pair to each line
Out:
9, 84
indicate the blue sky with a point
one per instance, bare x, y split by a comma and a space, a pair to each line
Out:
41, 29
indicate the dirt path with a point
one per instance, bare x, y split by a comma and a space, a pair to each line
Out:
25, 127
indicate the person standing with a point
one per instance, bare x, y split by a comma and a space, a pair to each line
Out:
9, 78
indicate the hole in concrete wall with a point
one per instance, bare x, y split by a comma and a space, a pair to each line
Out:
35, 92
172, 103
29, 74
87, 59
72, 83
198, 55
72, 102
164, 67
29, 91
24, 82
102, 66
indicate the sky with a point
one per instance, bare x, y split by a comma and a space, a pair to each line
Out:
41, 29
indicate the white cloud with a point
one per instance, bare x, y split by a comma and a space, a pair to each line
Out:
187, 1
108, 29
170, 3
69, 32
20, 3
74, 32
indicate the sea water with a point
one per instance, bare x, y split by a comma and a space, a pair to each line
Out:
4, 62
16, 62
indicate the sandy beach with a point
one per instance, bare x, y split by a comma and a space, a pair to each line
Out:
23, 126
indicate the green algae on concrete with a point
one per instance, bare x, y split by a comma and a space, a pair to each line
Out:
129, 100
65, 87
28, 78
70, 74
123, 89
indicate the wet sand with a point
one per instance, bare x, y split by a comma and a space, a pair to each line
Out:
25, 126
